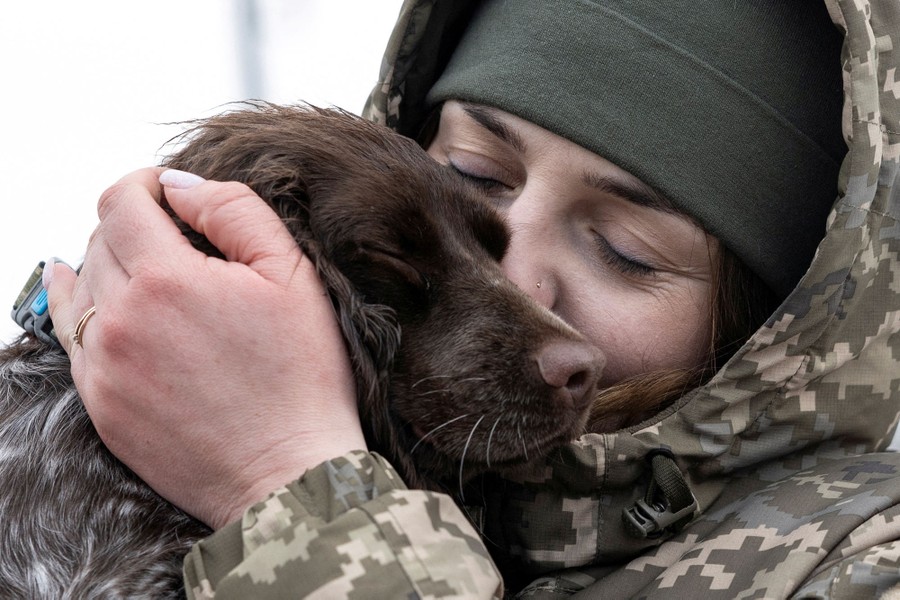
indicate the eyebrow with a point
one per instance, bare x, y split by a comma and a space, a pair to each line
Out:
636, 192
487, 119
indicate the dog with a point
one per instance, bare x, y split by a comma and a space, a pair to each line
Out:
458, 372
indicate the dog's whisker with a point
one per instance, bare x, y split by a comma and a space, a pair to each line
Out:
440, 391
475, 522
522, 438
444, 424
449, 388
490, 437
462, 460
424, 379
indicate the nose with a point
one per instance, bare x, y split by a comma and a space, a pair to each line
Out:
524, 264
571, 369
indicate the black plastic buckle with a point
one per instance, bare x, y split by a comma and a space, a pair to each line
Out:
645, 521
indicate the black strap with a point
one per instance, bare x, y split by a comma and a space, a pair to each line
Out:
668, 504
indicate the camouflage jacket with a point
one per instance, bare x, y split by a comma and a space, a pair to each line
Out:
784, 488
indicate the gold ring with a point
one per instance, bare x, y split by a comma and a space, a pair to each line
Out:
79, 327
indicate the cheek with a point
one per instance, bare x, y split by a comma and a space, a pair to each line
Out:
641, 333
434, 152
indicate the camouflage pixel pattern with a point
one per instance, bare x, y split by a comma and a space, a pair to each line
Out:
347, 529
783, 448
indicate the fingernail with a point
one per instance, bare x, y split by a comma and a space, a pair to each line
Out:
181, 180
47, 274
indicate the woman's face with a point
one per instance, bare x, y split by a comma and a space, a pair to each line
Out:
589, 241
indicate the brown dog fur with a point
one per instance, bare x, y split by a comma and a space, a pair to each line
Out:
446, 351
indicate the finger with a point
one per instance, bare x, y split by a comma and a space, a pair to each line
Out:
147, 178
240, 224
59, 281
102, 272
134, 225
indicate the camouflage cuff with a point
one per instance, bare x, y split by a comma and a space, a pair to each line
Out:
321, 495
348, 524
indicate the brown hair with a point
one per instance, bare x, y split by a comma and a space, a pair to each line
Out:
740, 304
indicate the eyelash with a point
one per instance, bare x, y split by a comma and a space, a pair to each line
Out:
622, 263
486, 184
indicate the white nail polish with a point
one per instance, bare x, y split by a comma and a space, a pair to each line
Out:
47, 273
180, 180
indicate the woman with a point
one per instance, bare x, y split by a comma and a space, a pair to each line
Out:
761, 481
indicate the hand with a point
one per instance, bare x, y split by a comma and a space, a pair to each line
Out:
216, 381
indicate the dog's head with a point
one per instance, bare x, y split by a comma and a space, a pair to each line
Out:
482, 376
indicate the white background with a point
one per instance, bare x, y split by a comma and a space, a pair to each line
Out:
87, 86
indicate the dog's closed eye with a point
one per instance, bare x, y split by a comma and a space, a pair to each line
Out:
396, 266
388, 277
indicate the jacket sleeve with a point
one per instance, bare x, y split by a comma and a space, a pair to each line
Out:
348, 525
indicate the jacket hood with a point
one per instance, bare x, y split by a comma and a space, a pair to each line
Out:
819, 381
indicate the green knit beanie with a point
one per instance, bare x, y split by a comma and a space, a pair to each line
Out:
732, 110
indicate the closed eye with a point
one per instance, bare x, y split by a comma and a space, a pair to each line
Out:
486, 184
621, 262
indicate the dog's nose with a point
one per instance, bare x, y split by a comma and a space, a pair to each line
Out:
572, 368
